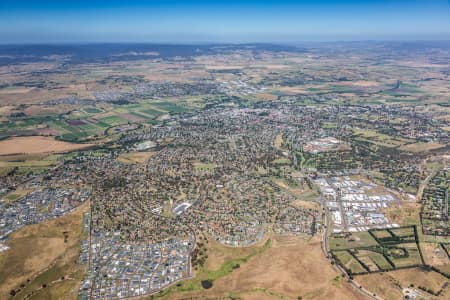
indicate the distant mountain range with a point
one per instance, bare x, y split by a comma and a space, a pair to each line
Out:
83, 53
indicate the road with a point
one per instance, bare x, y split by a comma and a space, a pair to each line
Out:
423, 184
326, 250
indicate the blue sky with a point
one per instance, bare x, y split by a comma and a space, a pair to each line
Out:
48, 21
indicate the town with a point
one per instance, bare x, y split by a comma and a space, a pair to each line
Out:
228, 173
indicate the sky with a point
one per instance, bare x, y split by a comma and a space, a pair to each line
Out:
171, 21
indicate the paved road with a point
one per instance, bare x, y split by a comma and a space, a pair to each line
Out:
423, 184
326, 250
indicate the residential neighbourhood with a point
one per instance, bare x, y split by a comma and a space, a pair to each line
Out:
38, 206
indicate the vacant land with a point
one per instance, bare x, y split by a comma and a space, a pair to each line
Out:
381, 284
435, 255
388, 285
354, 240
380, 139
283, 268
218, 254
421, 147
404, 213
204, 166
282, 271
306, 204
15, 195
24, 166
278, 141
135, 157
37, 144
42, 253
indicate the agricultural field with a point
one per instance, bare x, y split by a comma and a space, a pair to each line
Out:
37, 145
395, 248
351, 240
397, 261
81, 124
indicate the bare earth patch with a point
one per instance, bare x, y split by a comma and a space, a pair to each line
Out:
37, 144
404, 213
435, 255
306, 204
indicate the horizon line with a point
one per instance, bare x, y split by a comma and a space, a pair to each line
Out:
268, 42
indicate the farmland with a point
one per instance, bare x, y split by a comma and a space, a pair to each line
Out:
395, 249
37, 145
92, 123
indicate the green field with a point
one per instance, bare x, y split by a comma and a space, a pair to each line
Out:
281, 161
380, 139
382, 234
15, 195
204, 166
411, 258
92, 110
169, 107
27, 166
378, 250
344, 257
355, 267
358, 239
380, 261
113, 120
97, 120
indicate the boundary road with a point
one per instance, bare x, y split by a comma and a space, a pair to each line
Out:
326, 251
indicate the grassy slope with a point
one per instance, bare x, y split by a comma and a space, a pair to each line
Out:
39, 254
